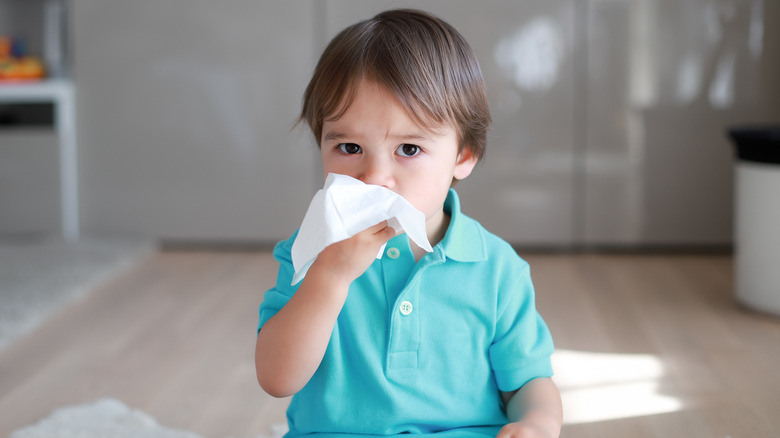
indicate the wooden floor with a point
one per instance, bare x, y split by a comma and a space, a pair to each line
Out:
648, 346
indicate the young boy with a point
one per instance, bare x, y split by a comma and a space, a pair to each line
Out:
446, 343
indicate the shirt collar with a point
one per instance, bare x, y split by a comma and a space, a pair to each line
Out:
464, 240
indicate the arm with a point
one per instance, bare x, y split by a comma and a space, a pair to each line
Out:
533, 410
292, 343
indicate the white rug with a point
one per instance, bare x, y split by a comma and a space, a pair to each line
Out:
108, 418
40, 275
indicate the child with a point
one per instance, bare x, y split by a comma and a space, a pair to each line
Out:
447, 342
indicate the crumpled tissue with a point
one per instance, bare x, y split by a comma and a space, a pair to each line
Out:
346, 206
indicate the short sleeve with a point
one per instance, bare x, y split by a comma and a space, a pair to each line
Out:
523, 345
278, 296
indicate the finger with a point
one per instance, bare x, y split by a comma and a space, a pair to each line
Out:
386, 229
378, 228
387, 233
381, 231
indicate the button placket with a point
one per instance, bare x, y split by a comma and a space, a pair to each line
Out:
402, 275
404, 341
405, 337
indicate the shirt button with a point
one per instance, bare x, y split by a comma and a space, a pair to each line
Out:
393, 253
406, 308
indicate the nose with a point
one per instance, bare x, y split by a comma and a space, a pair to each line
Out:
375, 171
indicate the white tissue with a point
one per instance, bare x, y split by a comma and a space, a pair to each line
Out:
346, 206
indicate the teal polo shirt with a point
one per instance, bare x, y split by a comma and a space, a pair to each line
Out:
424, 347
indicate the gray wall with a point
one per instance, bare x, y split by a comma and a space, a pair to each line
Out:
186, 110
609, 115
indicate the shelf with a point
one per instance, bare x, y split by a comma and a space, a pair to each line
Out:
40, 91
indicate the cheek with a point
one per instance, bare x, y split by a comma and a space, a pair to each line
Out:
428, 198
331, 164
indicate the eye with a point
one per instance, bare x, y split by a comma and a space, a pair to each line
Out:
349, 148
408, 150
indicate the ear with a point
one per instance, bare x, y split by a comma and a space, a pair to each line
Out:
464, 164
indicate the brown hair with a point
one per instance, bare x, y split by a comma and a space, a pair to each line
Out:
419, 58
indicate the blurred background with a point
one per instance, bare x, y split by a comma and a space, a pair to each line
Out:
610, 116
126, 126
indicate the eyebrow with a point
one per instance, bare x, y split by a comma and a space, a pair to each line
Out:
412, 137
335, 136
331, 136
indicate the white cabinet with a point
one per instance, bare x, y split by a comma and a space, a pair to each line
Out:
41, 24
665, 80
58, 92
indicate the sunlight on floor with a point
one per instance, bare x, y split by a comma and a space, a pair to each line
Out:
606, 386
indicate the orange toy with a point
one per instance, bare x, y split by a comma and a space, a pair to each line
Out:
24, 68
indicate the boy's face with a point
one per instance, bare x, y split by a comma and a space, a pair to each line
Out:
377, 142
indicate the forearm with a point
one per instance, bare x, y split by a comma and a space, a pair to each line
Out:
292, 343
537, 403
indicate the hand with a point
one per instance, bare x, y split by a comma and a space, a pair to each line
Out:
523, 429
534, 410
291, 345
349, 259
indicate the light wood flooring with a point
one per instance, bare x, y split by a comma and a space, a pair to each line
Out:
649, 346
